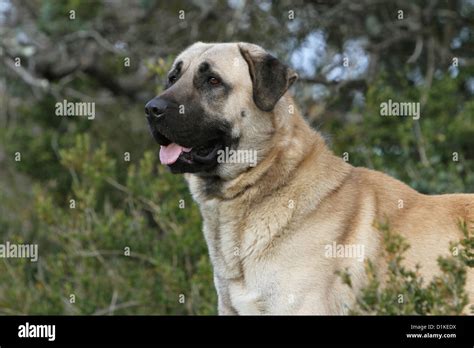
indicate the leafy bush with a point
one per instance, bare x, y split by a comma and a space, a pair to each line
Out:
404, 291
133, 247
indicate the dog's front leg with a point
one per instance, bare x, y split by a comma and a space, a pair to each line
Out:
224, 305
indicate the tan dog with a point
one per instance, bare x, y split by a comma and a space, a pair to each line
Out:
272, 225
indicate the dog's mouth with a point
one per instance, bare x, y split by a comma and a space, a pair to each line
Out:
180, 158
204, 154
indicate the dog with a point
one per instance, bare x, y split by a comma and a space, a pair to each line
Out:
270, 225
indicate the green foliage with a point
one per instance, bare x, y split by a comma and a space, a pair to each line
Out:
402, 291
84, 244
447, 128
54, 17
466, 252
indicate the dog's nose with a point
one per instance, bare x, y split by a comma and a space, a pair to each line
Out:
156, 107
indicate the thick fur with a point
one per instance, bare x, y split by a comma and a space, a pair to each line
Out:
267, 226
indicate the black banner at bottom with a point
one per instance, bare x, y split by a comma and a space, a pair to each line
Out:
193, 330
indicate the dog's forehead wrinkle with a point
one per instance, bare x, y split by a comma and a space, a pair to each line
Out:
221, 52
192, 54
205, 50
222, 58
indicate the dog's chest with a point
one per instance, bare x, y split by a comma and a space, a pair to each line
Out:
222, 234
238, 247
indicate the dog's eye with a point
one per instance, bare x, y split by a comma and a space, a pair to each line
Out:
214, 81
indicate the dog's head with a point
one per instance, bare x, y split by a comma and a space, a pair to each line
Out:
218, 97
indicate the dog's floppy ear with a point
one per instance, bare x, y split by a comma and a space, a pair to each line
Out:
270, 77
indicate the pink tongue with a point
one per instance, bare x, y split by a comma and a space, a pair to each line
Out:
169, 154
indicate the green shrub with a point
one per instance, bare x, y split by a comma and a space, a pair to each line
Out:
404, 291
123, 248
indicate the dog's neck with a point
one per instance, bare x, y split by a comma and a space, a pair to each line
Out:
293, 144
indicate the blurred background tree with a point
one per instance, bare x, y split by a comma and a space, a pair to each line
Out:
351, 56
